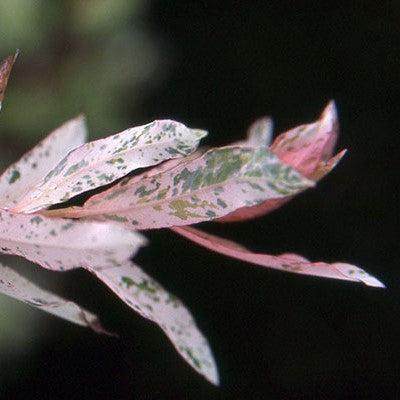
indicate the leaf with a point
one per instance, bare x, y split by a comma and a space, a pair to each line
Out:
103, 161
153, 302
5, 71
308, 149
283, 262
22, 176
202, 189
60, 245
259, 133
14, 285
246, 213
306, 146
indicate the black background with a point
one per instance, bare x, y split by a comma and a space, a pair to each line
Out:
274, 335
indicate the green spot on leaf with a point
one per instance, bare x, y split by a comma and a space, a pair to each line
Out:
36, 220
15, 175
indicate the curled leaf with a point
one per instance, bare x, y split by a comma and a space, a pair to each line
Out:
22, 176
308, 149
103, 161
283, 262
204, 188
306, 146
152, 301
16, 286
60, 245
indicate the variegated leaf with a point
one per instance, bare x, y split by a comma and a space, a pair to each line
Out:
283, 262
103, 161
150, 300
202, 189
22, 176
60, 245
16, 286
5, 71
246, 213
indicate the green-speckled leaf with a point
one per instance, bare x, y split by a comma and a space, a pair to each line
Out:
204, 188
103, 161
308, 148
16, 286
22, 176
152, 301
59, 244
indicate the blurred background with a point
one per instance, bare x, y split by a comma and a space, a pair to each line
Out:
219, 66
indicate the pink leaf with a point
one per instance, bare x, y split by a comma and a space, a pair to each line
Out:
246, 213
283, 262
204, 188
60, 245
103, 161
306, 146
19, 288
153, 302
22, 176
308, 149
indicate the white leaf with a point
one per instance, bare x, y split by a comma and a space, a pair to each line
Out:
103, 161
14, 285
153, 302
59, 244
20, 177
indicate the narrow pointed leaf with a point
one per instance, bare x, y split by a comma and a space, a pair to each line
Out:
22, 176
103, 161
284, 262
202, 189
5, 71
16, 286
60, 245
150, 300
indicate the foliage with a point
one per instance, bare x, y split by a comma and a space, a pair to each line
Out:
232, 183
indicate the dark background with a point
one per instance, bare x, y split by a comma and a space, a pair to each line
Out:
274, 335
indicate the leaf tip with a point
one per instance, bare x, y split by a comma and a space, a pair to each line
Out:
95, 325
358, 274
5, 70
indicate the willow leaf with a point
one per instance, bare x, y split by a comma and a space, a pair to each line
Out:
205, 188
308, 148
22, 176
60, 245
152, 301
103, 161
284, 262
16, 286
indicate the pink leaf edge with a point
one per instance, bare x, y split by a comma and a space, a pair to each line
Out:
283, 262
